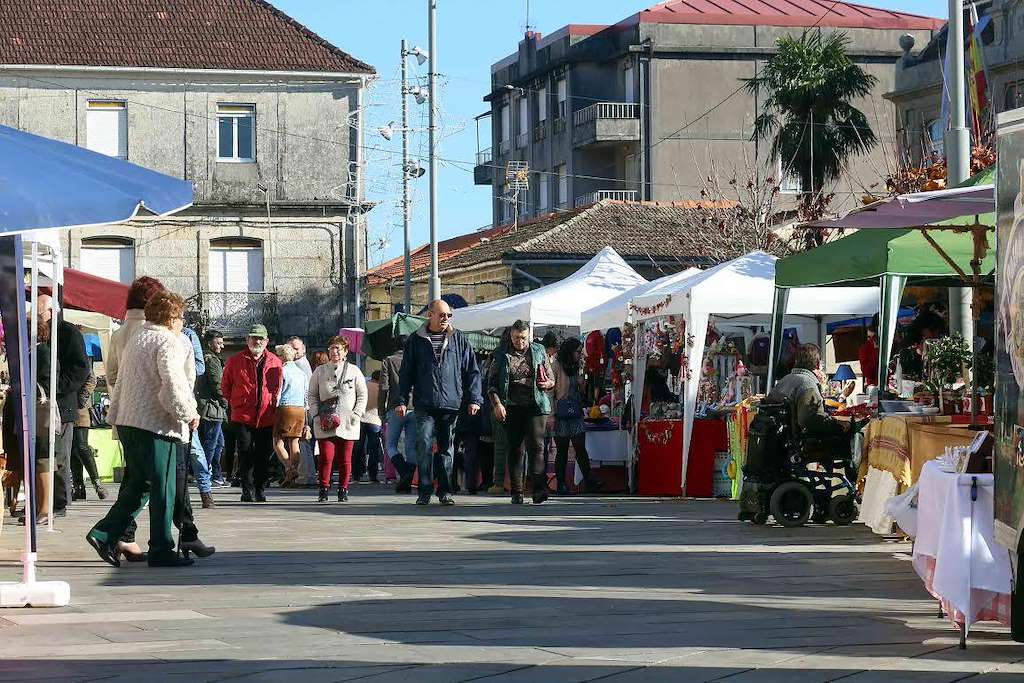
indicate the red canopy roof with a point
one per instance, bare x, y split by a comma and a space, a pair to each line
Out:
90, 293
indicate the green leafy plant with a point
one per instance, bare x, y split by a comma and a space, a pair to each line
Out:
947, 358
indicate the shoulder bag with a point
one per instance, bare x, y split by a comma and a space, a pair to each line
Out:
328, 411
570, 408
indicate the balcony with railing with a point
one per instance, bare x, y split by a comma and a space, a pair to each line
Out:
606, 123
523, 139
232, 313
614, 195
483, 172
504, 146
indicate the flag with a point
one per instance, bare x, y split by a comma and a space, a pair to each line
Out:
977, 83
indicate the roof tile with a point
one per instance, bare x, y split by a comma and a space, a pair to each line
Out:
241, 35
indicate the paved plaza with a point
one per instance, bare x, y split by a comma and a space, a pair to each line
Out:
591, 588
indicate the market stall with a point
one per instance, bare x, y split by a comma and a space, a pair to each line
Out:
890, 259
46, 185
736, 295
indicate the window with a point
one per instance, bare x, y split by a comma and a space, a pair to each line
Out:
563, 96
1014, 96
524, 123
542, 192
628, 91
112, 258
562, 197
235, 265
106, 128
505, 131
790, 182
542, 105
236, 132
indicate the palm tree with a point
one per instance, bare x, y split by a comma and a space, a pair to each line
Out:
811, 79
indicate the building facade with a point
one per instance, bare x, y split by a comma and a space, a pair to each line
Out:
651, 107
262, 115
917, 91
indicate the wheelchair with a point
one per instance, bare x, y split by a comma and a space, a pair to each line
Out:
796, 477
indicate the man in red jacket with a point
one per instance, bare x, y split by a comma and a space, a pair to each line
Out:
251, 384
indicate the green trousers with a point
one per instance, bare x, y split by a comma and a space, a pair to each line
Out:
150, 463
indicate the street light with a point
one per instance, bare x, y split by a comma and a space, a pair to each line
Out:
418, 93
419, 53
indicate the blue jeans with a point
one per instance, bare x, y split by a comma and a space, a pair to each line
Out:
396, 426
211, 435
431, 426
200, 468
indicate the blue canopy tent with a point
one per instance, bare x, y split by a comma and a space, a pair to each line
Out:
47, 185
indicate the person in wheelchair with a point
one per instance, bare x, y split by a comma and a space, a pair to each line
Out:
798, 458
801, 388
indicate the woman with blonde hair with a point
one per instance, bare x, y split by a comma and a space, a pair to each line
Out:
290, 422
337, 399
154, 409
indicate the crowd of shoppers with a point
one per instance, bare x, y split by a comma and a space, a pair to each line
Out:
181, 412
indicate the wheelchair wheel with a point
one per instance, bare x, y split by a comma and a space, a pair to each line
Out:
791, 504
842, 510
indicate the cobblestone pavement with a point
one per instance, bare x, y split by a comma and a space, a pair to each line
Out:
580, 589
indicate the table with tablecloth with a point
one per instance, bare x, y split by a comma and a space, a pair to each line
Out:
955, 552
895, 448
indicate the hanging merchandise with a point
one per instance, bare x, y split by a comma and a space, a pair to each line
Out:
648, 311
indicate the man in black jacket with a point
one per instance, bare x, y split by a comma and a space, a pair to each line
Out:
439, 364
73, 368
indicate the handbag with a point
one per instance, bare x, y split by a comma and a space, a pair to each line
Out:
327, 411
570, 408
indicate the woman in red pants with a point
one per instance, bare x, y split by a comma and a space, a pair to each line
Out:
336, 399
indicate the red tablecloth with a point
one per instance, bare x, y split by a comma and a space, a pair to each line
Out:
660, 457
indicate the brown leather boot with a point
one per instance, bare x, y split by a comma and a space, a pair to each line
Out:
207, 500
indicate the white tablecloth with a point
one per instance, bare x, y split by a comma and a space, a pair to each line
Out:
955, 551
605, 448
879, 487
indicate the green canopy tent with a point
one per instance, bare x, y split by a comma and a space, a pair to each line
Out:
380, 338
889, 258
951, 252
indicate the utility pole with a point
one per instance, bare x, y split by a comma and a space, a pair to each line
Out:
435, 278
958, 152
405, 184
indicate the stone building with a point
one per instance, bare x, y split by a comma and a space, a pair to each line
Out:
261, 114
651, 106
917, 91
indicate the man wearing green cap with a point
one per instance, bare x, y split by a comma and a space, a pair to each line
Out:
251, 383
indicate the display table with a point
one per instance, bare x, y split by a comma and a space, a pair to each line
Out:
660, 457
605, 448
895, 449
955, 552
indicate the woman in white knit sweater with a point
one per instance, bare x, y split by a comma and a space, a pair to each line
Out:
154, 410
336, 399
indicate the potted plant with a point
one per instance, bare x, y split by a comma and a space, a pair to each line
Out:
946, 362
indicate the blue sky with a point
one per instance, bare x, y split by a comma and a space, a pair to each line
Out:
472, 34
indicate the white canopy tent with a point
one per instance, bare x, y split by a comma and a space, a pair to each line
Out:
561, 303
615, 311
743, 291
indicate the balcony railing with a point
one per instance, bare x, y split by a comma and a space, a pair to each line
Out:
539, 131
522, 140
233, 313
615, 195
606, 110
484, 156
504, 146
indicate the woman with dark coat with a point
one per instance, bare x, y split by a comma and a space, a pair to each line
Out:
568, 415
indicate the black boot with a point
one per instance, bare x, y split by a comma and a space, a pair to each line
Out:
405, 472
323, 495
540, 488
